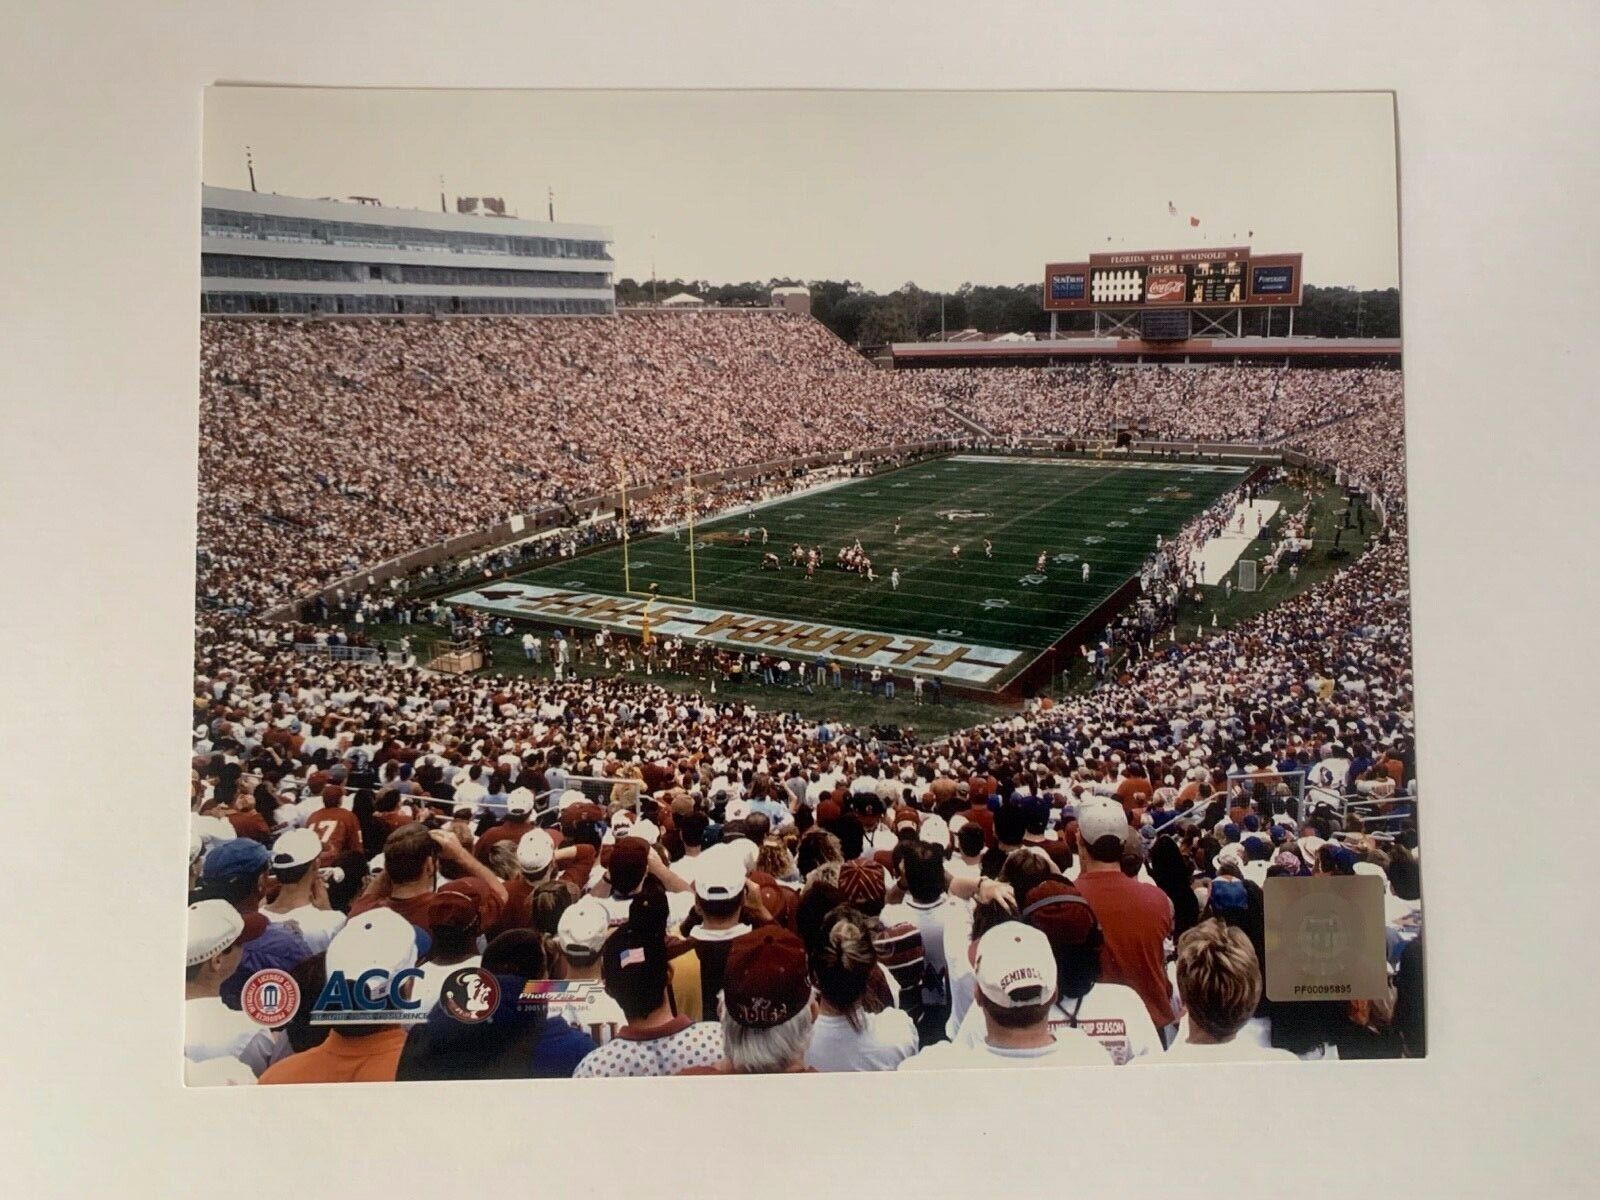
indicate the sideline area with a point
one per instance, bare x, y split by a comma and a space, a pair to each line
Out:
1216, 557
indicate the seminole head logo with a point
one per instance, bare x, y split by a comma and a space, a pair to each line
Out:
470, 995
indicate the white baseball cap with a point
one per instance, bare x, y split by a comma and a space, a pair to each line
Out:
583, 928
648, 830
380, 939
1015, 966
519, 802
933, 829
719, 873
214, 925
621, 819
295, 848
535, 850
572, 796
1102, 818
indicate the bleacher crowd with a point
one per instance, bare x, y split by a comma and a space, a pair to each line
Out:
659, 882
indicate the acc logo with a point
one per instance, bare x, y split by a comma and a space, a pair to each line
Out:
270, 997
372, 996
470, 995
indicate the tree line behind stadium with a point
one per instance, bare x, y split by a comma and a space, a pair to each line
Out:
911, 313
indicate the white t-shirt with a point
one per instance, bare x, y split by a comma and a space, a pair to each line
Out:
679, 906
317, 925
213, 1030
1241, 1049
685, 867
884, 1041
960, 868
963, 983
1069, 1049
1111, 1014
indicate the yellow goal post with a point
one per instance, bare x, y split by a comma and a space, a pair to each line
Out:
684, 496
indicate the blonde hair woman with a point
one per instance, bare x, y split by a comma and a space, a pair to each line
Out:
852, 1032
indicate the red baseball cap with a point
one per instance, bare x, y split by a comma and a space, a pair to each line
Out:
767, 980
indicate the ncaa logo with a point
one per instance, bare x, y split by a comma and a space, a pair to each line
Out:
270, 997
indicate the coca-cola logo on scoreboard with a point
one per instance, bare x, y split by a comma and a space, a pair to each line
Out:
1164, 289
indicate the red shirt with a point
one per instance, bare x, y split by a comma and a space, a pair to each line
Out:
518, 910
577, 874
1135, 920
340, 833
509, 831
250, 825
1134, 793
412, 908
980, 816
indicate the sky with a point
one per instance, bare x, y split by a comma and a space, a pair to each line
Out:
885, 188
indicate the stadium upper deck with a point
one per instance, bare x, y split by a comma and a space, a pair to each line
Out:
265, 254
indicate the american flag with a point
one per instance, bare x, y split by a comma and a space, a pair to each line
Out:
632, 957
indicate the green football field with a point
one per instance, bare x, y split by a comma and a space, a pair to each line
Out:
999, 607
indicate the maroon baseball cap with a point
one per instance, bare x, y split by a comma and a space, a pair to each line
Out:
861, 883
767, 980
1058, 911
629, 858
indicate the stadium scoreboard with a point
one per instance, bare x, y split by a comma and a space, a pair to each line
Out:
1212, 277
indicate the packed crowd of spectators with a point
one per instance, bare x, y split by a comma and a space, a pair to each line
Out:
328, 446
924, 852
692, 884
1254, 404
325, 446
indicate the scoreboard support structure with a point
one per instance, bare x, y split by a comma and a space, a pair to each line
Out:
1214, 322
1117, 322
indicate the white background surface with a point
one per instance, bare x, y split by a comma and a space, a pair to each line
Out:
99, 140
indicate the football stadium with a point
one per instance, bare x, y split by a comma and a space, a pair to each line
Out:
594, 689
954, 604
